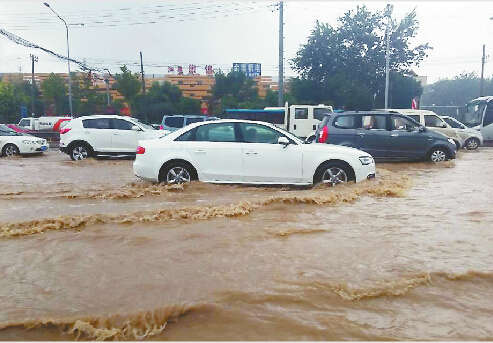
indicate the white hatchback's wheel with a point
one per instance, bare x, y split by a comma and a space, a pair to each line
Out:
177, 175
438, 155
472, 144
79, 152
10, 150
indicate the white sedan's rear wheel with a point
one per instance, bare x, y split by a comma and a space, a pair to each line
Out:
176, 173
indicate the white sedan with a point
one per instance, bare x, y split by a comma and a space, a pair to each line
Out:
241, 151
14, 143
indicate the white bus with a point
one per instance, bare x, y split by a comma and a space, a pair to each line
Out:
479, 115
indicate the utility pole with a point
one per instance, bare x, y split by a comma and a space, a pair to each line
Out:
483, 61
107, 81
33, 82
142, 73
280, 101
387, 55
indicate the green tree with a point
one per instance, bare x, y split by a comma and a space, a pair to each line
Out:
127, 84
12, 97
345, 64
55, 95
456, 91
234, 90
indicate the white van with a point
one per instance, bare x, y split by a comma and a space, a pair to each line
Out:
39, 124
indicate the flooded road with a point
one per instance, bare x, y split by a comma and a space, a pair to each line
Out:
89, 252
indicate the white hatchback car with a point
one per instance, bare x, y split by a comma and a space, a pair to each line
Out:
14, 143
472, 138
242, 151
104, 135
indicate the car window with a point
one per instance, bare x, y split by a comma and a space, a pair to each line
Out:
415, 117
488, 116
433, 121
193, 120
374, 122
301, 113
174, 121
25, 122
120, 124
401, 123
100, 123
224, 132
453, 123
254, 133
320, 113
345, 122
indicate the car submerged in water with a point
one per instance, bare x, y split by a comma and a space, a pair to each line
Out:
386, 136
243, 151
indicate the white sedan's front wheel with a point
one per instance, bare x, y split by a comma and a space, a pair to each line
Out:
332, 174
10, 150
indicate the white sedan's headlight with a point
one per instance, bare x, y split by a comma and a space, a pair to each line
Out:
28, 142
365, 160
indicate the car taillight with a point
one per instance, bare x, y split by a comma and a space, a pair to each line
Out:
161, 127
62, 131
324, 134
140, 150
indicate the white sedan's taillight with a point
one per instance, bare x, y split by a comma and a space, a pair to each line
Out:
140, 150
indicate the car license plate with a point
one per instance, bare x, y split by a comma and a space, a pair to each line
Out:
44, 148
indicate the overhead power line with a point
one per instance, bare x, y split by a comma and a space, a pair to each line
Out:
21, 41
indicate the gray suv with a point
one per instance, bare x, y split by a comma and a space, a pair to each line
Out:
385, 135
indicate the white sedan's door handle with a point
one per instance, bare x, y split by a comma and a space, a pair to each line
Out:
251, 153
200, 151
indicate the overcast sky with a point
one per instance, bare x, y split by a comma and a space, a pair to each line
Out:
220, 33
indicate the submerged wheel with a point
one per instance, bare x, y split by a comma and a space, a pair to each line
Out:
80, 152
176, 173
438, 155
332, 174
472, 144
10, 150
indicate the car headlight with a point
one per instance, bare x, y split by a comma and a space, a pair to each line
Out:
28, 142
366, 160
451, 141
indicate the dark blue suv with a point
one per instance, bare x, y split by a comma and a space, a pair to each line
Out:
385, 135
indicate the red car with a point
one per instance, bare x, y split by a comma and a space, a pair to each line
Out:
17, 128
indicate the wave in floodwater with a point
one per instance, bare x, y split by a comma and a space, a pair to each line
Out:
151, 323
138, 326
387, 186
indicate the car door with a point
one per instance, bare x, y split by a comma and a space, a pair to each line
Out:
97, 132
376, 139
264, 160
407, 141
123, 138
216, 152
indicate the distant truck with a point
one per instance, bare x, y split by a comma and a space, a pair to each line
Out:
301, 120
41, 123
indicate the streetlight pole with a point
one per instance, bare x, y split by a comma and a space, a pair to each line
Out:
387, 56
68, 60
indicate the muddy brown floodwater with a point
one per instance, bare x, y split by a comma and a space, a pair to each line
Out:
89, 252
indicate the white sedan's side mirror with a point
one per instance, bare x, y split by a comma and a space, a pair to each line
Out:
283, 140
135, 128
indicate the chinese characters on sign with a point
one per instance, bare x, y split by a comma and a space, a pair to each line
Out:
192, 69
249, 69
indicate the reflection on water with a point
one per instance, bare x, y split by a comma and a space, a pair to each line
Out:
89, 252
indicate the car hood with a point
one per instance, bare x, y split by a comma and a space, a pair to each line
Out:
322, 148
